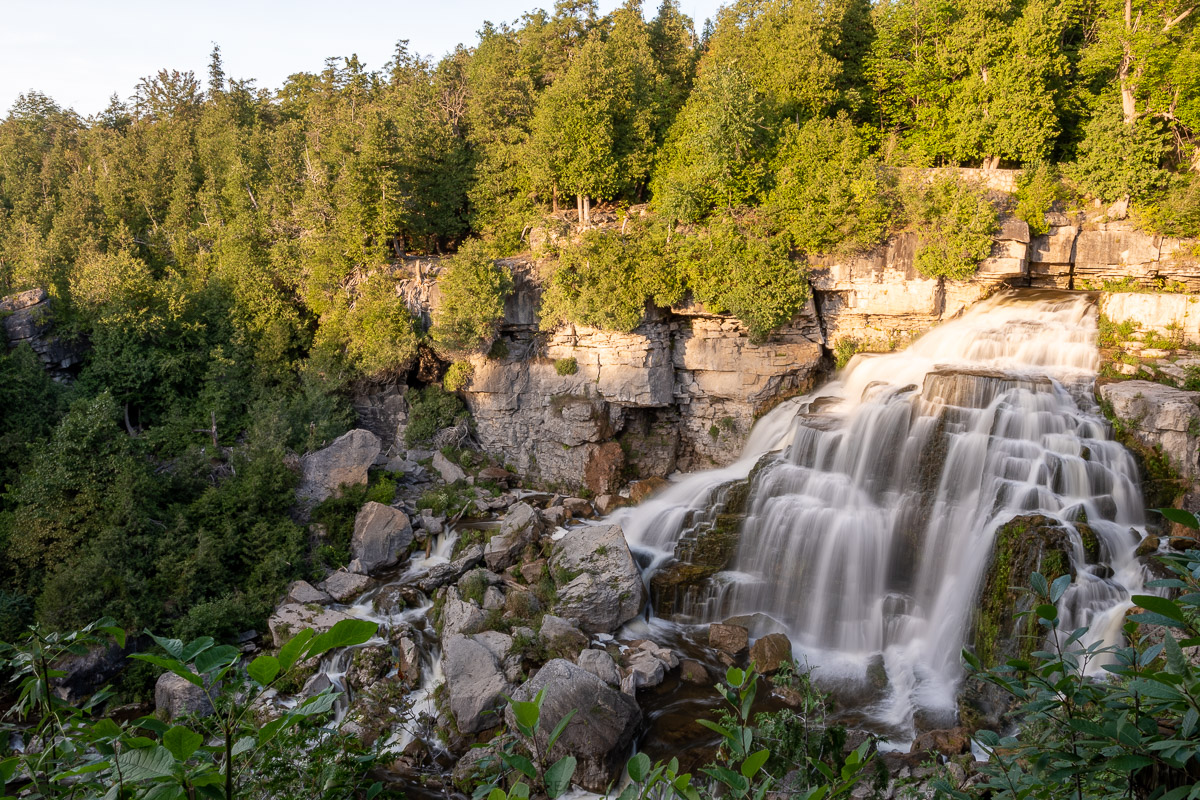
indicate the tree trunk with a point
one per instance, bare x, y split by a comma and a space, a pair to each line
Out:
579, 208
587, 210
1128, 104
554, 200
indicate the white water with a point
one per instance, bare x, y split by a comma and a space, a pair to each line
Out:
871, 525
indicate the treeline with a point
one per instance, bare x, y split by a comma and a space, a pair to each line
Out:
223, 253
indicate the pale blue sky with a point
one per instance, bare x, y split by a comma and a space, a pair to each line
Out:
80, 52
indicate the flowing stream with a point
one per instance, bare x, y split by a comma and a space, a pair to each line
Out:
874, 501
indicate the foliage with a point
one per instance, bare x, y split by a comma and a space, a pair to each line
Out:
374, 336
1116, 160
215, 756
566, 366
844, 350
830, 195
473, 290
527, 758
429, 410
1038, 189
955, 223
458, 376
1176, 212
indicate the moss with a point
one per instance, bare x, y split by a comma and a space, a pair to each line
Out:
1022, 546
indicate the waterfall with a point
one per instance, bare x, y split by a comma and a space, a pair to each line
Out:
874, 502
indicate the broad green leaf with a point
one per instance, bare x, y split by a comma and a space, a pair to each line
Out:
347, 633
105, 728
98, 766
637, 767
171, 665
146, 764
520, 763
374, 791
558, 777
196, 647
1159, 605
214, 658
725, 732
316, 705
244, 745
1157, 619
263, 669
559, 728
735, 677
174, 647
289, 654
526, 713
117, 632
1176, 662
1128, 762
1059, 587
497, 794
520, 791
182, 742
1184, 518
1047, 611
728, 777
754, 763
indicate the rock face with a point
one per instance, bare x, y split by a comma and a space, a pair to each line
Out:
600, 733
1166, 314
475, 683
174, 696
606, 590
382, 534
27, 319
1160, 417
345, 462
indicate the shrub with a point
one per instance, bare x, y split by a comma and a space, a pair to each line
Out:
429, 410
955, 223
1116, 160
830, 194
1038, 189
374, 335
1176, 212
473, 290
566, 366
458, 376
844, 350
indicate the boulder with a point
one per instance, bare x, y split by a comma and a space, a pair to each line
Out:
343, 586
368, 665
949, 742
442, 574
304, 593
1158, 416
382, 534
290, 619
607, 589
693, 672
600, 733
578, 507
640, 490
519, 528
475, 683
731, 639
174, 696
771, 652
600, 664
560, 637
449, 471
343, 463
460, 616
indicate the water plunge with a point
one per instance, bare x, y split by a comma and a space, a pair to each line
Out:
874, 502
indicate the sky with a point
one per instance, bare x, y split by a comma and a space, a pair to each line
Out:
80, 52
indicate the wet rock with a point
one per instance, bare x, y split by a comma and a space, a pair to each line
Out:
608, 503
693, 672
343, 586
554, 516
475, 683
442, 574
561, 638
607, 589
290, 619
303, 592
578, 507
343, 463
600, 664
951, 742
449, 471
520, 528
382, 535
174, 696
640, 490
600, 733
731, 639
648, 665
771, 652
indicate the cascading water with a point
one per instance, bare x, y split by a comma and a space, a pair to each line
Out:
873, 509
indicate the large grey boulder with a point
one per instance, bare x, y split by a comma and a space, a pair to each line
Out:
305, 593
600, 733
607, 590
459, 616
475, 682
344, 586
520, 527
174, 696
290, 619
449, 471
442, 574
382, 534
600, 664
343, 463
1160, 416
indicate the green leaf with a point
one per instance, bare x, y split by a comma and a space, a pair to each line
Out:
1128, 762
174, 647
146, 764
637, 767
1059, 587
316, 705
558, 777
289, 654
1048, 612
754, 763
117, 632
735, 677
347, 633
244, 745
374, 791
497, 794
196, 647
520, 763
182, 742
217, 657
526, 713
725, 732
559, 728
728, 777
519, 790
263, 669
1184, 518
171, 665
1159, 605
1176, 662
